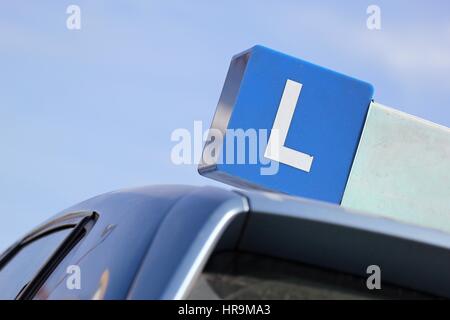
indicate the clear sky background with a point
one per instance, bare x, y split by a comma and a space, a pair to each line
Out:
89, 111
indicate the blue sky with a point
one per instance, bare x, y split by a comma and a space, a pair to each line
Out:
89, 111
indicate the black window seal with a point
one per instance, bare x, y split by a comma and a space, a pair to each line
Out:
80, 222
66, 221
79, 231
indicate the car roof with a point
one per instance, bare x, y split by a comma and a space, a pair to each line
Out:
164, 234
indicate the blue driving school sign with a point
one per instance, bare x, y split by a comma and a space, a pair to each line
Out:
286, 125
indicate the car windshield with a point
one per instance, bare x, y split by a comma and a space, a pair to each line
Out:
232, 275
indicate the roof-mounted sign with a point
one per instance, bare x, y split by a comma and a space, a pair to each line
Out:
317, 114
287, 125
